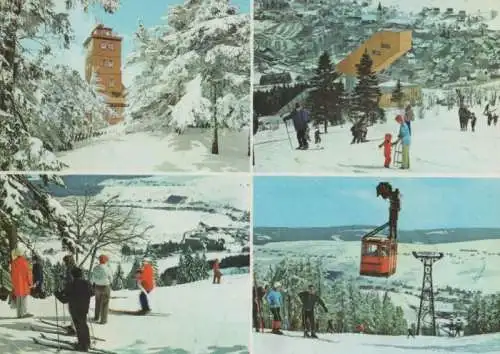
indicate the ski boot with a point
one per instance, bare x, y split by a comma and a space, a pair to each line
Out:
306, 335
313, 335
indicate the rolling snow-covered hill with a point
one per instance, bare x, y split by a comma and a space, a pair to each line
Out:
174, 207
146, 152
465, 267
438, 146
293, 343
199, 318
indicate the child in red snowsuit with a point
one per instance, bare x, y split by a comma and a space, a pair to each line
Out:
387, 144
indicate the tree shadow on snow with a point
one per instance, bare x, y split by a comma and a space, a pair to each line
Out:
490, 347
12, 344
364, 167
236, 349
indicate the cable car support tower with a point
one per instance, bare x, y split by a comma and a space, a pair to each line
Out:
426, 308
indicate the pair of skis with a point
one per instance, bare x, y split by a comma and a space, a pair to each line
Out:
56, 328
62, 344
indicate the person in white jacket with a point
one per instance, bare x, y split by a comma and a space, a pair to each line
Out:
102, 277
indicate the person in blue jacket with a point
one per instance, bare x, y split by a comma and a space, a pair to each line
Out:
405, 138
275, 301
300, 118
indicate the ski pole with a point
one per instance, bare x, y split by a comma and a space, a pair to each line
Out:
288, 134
57, 322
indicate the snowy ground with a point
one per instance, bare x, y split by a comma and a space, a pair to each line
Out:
293, 343
438, 147
202, 318
466, 265
118, 152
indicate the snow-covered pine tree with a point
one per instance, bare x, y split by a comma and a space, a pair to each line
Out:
204, 46
367, 92
70, 110
398, 95
26, 204
118, 278
34, 24
324, 99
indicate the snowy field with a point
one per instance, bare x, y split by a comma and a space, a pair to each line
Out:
213, 200
200, 318
293, 343
119, 152
438, 146
466, 265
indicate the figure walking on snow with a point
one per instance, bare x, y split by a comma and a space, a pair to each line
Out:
309, 300
409, 116
317, 135
37, 272
257, 294
22, 282
387, 144
411, 331
473, 122
300, 119
102, 277
77, 294
405, 138
275, 301
145, 283
217, 272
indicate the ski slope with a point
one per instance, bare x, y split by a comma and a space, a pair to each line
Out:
154, 152
200, 318
294, 343
438, 147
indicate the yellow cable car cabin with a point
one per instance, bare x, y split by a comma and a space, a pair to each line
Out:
378, 256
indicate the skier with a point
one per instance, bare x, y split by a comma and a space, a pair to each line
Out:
22, 282
300, 119
145, 282
473, 122
77, 294
102, 278
409, 116
489, 113
257, 294
275, 301
309, 300
458, 327
37, 274
317, 135
411, 331
360, 328
329, 327
69, 264
387, 144
384, 190
405, 138
217, 272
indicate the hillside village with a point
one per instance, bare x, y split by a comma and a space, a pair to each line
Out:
449, 46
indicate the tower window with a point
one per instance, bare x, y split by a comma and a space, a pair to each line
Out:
112, 83
108, 63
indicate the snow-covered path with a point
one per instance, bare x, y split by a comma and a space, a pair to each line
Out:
294, 343
202, 318
438, 147
149, 152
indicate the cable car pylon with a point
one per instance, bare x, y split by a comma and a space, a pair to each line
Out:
426, 308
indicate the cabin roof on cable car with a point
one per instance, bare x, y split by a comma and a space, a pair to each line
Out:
377, 239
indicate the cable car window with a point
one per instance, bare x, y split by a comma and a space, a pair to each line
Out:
383, 252
370, 250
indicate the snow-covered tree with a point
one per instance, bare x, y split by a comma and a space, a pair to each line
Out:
70, 110
192, 267
131, 281
28, 30
194, 68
